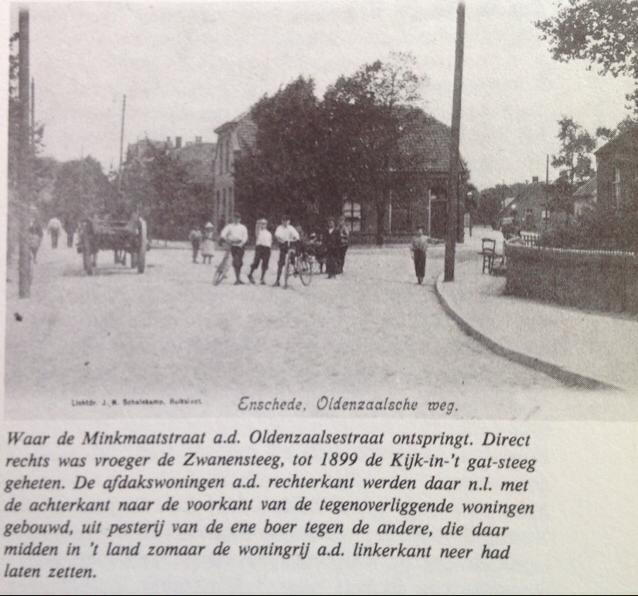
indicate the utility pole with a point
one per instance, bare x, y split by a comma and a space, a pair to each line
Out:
453, 184
33, 114
119, 174
24, 161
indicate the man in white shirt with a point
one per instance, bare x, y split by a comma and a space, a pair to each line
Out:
236, 235
53, 227
287, 237
263, 244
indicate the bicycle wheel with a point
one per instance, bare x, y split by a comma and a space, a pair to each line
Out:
304, 267
222, 269
288, 268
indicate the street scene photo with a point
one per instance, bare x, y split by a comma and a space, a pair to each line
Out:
327, 208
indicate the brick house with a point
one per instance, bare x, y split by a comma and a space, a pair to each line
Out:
617, 169
233, 137
422, 201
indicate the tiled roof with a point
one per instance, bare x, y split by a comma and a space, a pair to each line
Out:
588, 189
624, 137
245, 131
426, 142
534, 195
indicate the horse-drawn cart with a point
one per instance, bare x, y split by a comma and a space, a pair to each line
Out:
123, 237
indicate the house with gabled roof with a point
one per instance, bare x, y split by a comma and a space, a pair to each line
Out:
420, 199
617, 169
233, 138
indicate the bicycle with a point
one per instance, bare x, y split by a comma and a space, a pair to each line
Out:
298, 264
222, 269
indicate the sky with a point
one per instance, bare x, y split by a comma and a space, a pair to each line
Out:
186, 68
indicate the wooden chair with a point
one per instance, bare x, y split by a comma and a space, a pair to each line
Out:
488, 252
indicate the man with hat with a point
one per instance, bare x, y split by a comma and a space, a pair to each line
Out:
263, 245
287, 236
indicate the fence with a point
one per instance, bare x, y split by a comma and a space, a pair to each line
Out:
597, 280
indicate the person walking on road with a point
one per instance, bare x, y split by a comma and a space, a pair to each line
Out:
344, 241
53, 227
263, 246
236, 235
208, 244
195, 238
288, 237
332, 239
419, 250
35, 238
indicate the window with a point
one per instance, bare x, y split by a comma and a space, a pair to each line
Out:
228, 155
617, 187
231, 204
352, 213
545, 214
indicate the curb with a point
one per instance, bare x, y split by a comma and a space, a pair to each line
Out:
552, 370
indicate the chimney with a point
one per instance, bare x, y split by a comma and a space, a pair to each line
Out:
534, 179
198, 140
168, 141
178, 142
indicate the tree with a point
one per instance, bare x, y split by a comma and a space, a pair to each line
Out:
574, 157
490, 203
601, 32
365, 116
159, 187
81, 189
281, 173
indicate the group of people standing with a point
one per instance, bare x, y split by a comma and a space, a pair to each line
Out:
329, 248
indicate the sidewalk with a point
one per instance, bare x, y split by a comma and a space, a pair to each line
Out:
580, 348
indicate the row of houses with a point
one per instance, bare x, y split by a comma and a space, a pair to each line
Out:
212, 165
427, 138
615, 180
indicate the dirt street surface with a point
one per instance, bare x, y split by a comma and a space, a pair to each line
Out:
169, 333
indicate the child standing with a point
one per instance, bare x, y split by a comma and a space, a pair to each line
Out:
419, 249
208, 244
195, 238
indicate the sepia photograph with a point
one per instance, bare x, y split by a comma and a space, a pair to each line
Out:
417, 208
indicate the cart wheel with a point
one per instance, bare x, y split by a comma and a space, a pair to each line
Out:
87, 257
141, 249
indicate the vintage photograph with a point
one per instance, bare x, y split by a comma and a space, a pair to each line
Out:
418, 208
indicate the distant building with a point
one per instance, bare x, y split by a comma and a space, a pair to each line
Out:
617, 169
529, 209
585, 196
199, 159
233, 138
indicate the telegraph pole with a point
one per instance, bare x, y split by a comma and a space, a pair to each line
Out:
33, 114
119, 174
453, 184
24, 161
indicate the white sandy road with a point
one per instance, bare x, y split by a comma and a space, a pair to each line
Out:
169, 333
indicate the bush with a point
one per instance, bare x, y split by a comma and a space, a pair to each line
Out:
599, 228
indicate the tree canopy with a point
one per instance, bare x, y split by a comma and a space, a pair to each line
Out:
604, 33
310, 154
